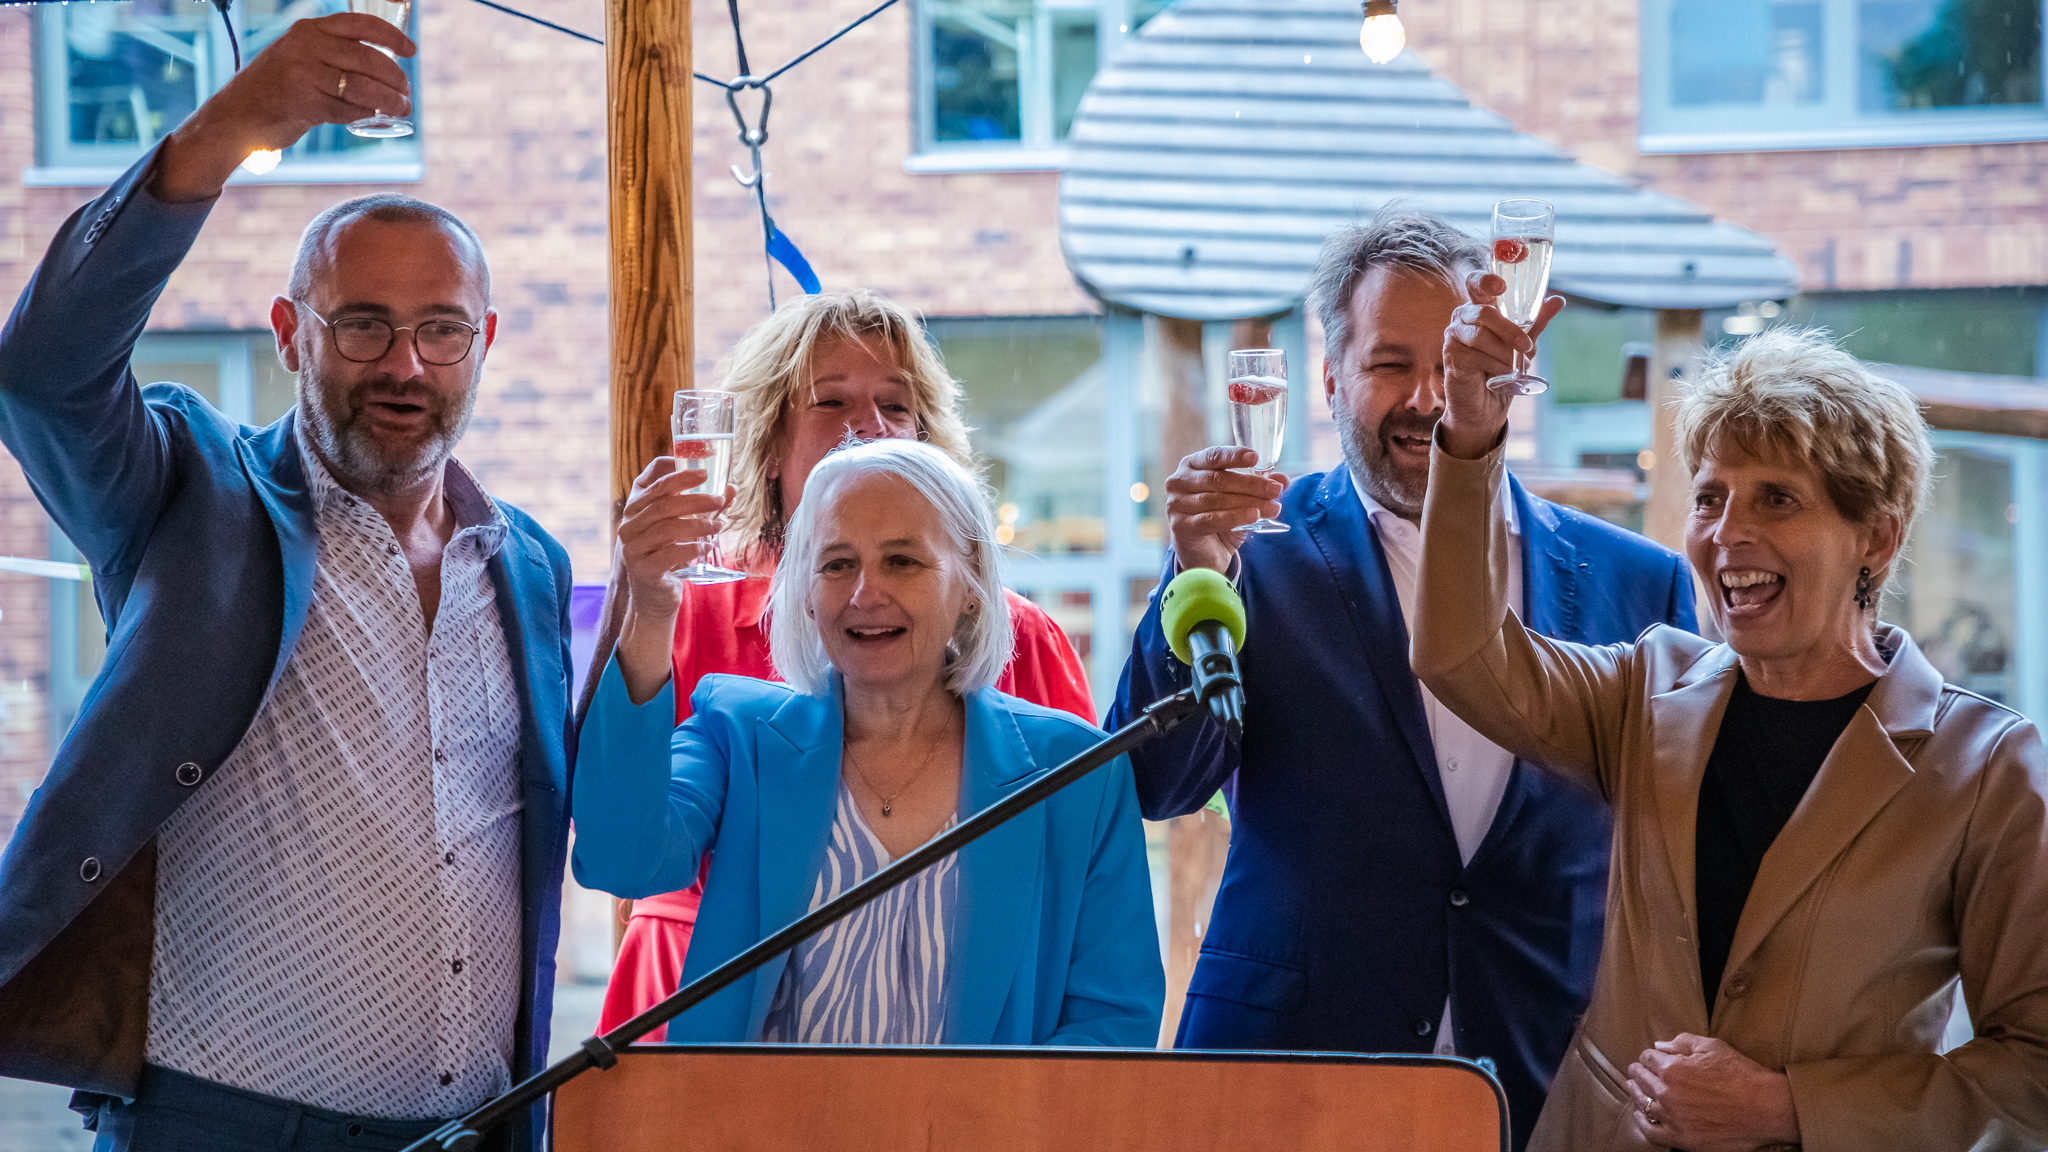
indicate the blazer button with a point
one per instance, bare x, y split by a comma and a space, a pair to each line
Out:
90, 870
1458, 898
1423, 1027
1738, 987
190, 774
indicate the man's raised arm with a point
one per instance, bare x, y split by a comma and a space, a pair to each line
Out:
70, 410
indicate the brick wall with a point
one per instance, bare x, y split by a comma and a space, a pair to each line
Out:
1939, 217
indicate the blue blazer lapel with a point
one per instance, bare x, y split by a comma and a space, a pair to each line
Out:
1551, 569
271, 462
1550, 605
796, 766
1351, 549
1000, 875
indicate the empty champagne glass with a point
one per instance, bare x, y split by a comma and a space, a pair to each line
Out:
1258, 412
395, 13
1522, 235
703, 429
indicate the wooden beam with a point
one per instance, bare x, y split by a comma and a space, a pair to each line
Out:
1674, 356
653, 333
647, 75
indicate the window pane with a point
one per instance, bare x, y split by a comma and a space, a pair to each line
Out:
1073, 66
1957, 578
1745, 52
1034, 398
1948, 53
974, 71
133, 71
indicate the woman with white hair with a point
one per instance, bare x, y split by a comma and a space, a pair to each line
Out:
824, 367
1816, 841
888, 624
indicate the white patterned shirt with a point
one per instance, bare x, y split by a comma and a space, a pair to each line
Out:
337, 911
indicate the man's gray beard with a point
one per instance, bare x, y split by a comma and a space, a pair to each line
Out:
1371, 469
351, 452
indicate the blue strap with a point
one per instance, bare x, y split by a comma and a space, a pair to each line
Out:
785, 253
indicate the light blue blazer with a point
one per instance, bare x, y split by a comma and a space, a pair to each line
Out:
1055, 941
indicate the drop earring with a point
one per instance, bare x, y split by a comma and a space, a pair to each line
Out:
1864, 598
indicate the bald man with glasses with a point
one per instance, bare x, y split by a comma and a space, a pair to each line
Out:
293, 880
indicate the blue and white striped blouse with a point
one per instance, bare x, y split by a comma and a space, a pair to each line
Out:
878, 976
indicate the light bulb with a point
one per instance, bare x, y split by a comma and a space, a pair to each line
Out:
1382, 36
261, 160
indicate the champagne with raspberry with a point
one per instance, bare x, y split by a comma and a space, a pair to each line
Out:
1523, 231
1258, 412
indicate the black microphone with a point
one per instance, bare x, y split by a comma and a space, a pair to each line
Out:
1204, 623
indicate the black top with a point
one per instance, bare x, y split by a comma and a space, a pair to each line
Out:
1765, 757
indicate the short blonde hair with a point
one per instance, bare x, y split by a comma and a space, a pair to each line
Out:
984, 640
1794, 394
773, 361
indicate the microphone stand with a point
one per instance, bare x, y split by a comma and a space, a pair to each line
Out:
466, 1134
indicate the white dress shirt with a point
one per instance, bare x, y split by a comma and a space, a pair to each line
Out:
1474, 770
337, 911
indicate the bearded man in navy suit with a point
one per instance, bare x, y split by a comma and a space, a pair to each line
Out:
1395, 882
293, 880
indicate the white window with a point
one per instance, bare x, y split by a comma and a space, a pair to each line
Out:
1743, 75
1000, 79
114, 79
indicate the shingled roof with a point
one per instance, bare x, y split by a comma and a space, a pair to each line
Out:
1218, 148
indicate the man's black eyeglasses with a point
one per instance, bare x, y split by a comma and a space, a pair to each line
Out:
365, 339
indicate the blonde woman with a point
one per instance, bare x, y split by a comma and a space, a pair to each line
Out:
1816, 841
823, 368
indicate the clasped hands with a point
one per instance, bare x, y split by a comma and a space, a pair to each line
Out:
1700, 1094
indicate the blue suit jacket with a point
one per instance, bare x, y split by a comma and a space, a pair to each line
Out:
1055, 940
1346, 917
201, 534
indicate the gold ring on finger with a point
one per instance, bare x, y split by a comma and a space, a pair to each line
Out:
341, 87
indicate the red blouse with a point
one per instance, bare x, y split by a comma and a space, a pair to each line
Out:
719, 630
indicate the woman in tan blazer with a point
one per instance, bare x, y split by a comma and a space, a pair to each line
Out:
1815, 839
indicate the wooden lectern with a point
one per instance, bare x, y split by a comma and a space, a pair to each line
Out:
814, 1098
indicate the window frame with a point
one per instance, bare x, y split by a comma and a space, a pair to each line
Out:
1835, 122
1036, 148
62, 164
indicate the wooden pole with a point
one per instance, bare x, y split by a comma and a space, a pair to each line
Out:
647, 59
653, 334
1680, 340
1196, 844
647, 82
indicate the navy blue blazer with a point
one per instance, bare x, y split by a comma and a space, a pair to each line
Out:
1346, 917
201, 535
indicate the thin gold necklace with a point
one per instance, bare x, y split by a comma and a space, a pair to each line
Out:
889, 802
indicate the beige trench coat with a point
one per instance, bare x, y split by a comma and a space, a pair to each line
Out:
1919, 855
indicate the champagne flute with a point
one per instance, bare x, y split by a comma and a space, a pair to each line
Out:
703, 431
1522, 234
1258, 412
395, 13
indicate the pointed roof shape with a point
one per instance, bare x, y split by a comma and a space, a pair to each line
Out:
1223, 142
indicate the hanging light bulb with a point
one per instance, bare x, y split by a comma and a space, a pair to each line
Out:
261, 160
1382, 37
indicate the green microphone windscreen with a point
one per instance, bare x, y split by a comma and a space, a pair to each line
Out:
1194, 596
